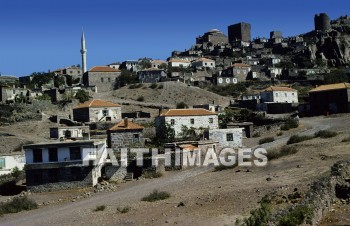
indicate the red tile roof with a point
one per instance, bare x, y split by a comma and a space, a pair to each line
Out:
279, 88
187, 112
97, 104
331, 87
240, 65
103, 69
121, 126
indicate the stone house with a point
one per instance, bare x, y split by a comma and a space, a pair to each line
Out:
179, 63
97, 111
125, 134
102, 77
70, 132
9, 94
63, 165
72, 71
227, 138
333, 98
131, 65
151, 75
198, 119
204, 63
10, 161
238, 70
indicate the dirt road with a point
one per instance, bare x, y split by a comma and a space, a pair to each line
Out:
209, 197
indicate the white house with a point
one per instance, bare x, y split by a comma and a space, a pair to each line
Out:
158, 63
227, 138
97, 111
70, 132
197, 119
204, 63
279, 94
74, 163
10, 161
179, 63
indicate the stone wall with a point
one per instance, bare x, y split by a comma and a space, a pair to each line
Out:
115, 173
125, 139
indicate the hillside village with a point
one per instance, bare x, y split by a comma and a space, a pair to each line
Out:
225, 91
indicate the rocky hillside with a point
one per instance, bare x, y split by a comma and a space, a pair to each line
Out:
166, 94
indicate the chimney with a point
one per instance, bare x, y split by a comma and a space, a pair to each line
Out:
126, 122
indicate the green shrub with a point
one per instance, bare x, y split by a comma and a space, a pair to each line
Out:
82, 96
160, 86
140, 98
100, 208
280, 133
325, 134
259, 217
346, 139
266, 140
286, 150
290, 124
18, 204
153, 86
297, 139
135, 86
123, 209
155, 196
296, 217
181, 105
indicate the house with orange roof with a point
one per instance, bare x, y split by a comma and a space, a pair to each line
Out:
179, 63
198, 119
97, 111
278, 100
279, 94
125, 134
102, 77
332, 98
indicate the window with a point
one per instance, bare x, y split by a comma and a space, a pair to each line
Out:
79, 72
229, 137
105, 113
71, 72
101, 79
205, 64
37, 155
2, 163
192, 120
276, 94
74, 153
109, 79
53, 157
172, 122
211, 120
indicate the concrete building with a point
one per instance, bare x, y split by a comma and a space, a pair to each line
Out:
279, 94
9, 161
328, 99
214, 36
103, 77
204, 63
97, 111
125, 134
239, 32
63, 165
179, 63
151, 75
70, 132
115, 65
227, 138
198, 119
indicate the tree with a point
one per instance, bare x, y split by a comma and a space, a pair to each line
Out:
59, 81
40, 78
336, 76
145, 64
163, 66
166, 134
82, 96
181, 105
125, 78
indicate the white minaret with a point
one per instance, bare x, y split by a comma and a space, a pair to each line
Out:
83, 52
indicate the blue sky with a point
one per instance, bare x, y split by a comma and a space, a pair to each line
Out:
42, 35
